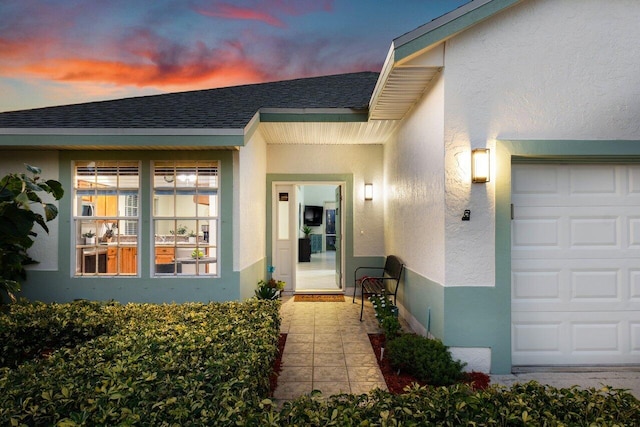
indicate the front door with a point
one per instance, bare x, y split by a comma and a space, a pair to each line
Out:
284, 226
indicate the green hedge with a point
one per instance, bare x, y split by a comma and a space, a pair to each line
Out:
160, 365
208, 364
528, 404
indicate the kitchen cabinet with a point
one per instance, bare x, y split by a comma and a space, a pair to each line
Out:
112, 260
128, 260
165, 255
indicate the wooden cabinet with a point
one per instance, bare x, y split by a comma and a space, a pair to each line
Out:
304, 250
165, 255
112, 260
128, 260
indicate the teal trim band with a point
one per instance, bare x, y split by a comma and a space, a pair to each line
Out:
452, 27
250, 276
313, 118
121, 141
424, 299
517, 151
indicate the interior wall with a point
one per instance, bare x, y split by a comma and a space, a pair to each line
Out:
364, 162
545, 70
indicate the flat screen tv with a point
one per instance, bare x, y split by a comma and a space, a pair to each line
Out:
313, 215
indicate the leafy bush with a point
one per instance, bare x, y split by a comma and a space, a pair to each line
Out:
19, 193
526, 404
387, 315
427, 359
166, 364
29, 330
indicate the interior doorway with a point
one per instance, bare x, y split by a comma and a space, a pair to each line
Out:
312, 261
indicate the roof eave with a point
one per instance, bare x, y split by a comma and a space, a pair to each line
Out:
399, 87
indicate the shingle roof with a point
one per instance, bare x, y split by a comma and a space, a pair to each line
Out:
223, 108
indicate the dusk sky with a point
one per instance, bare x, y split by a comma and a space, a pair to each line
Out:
55, 52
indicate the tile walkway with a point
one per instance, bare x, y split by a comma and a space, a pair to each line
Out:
327, 349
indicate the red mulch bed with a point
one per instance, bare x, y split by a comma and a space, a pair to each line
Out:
277, 364
397, 382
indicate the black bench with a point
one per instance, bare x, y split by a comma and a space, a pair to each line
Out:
369, 285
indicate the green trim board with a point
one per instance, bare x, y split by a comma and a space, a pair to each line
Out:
347, 179
449, 27
508, 152
314, 117
60, 285
125, 141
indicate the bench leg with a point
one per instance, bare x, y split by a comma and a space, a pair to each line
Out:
355, 289
361, 302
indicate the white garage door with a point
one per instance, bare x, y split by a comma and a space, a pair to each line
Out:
575, 249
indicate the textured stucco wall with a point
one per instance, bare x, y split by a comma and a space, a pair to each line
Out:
544, 69
44, 249
414, 183
364, 162
250, 203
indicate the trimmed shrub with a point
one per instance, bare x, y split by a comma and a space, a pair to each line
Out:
426, 359
169, 364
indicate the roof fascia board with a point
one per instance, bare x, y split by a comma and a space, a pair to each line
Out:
251, 128
447, 26
312, 115
126, 141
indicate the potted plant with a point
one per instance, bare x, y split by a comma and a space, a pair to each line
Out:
265, 291
307, 231
192, 236
89, 238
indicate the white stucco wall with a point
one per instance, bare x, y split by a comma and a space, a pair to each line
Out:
544, 69
45, 247
414, 182
363, 161
249, 227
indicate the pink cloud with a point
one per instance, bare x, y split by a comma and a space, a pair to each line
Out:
228, 11
265, 11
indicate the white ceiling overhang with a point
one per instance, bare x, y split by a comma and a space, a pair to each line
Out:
403, 83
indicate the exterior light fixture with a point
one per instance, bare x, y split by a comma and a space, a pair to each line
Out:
480, 169
368, 191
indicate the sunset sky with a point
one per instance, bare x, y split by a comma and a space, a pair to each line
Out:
55, 52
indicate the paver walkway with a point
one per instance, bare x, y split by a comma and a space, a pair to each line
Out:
327, 349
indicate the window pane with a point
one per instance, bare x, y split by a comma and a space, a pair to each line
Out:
106, 217
185, 218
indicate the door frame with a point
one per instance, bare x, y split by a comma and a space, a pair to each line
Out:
345, 180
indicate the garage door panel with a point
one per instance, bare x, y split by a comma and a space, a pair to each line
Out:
593, 180
576, 264
594, 232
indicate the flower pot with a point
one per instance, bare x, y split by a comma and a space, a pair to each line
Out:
192, 239
90, 240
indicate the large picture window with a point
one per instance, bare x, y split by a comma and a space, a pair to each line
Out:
185, 218
105, 216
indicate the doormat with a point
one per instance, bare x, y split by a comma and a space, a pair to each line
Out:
318, 298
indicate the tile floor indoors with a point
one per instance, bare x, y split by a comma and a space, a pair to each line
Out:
327, 349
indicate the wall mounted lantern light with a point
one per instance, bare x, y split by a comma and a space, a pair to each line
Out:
480, 168
368, 191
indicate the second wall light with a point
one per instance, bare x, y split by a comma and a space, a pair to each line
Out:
480, 166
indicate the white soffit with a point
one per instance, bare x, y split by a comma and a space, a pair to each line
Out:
318, 133
401, 85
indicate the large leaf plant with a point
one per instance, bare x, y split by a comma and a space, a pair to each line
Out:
19, 195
